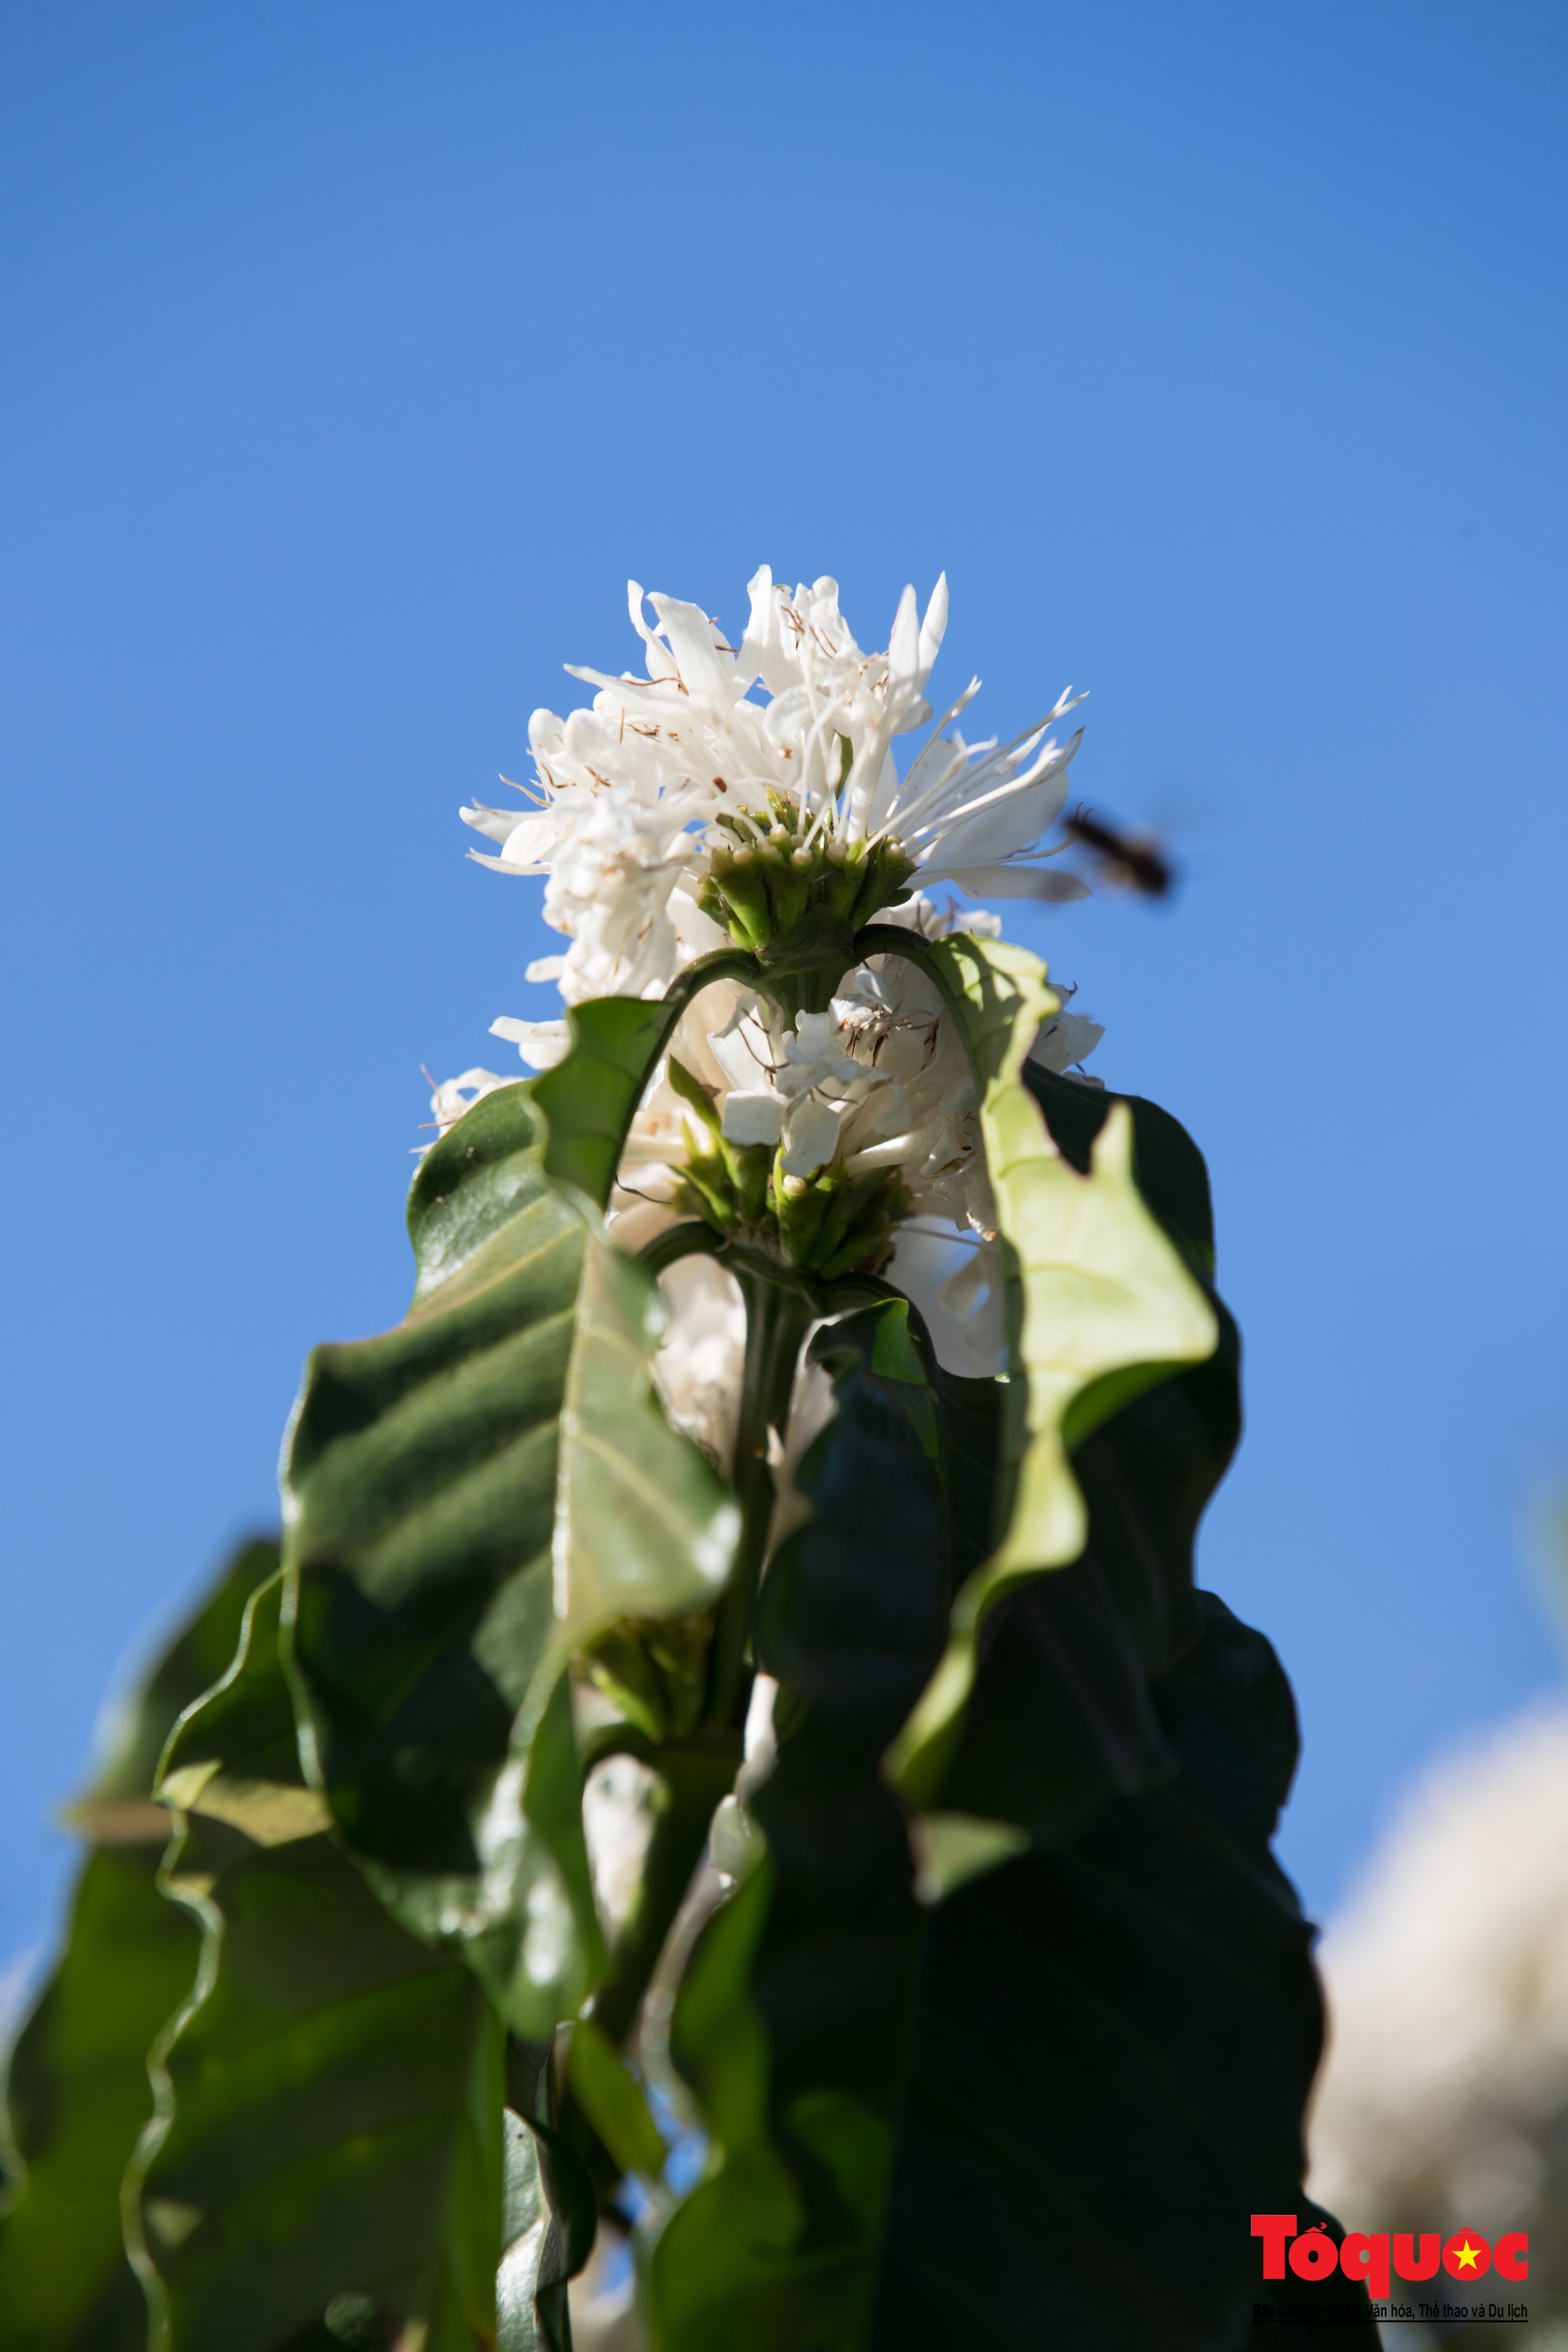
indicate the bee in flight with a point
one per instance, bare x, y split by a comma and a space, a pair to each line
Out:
1133, 861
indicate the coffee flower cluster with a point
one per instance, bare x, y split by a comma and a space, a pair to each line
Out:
752, 796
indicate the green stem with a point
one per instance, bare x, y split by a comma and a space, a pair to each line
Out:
696, 1773
778, 1314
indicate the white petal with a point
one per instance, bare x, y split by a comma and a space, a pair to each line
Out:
933, 628
540, 1044
734, 1057
545, 968
704, 671
963, 1291
1071, 1037
813, 1136
815, 1033
532, 841
752, 1119
497, 823
904, 646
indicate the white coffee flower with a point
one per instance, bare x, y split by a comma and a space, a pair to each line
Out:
452, 1097
630, 791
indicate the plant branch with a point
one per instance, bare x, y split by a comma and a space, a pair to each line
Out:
778, 1316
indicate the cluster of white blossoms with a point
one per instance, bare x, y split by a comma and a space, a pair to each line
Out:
691, 811
628, 794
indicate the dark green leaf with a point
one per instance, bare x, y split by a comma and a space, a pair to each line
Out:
78, 2092
78, 2095
1062, 1718
792, 2020
479, 1494
1112, 2047
1041, 2112
328, 2152
589, 1099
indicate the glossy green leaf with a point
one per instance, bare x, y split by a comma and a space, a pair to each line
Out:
589, 1099
1096, 1289
475, 1496
549, 2213
327, 2149
78, 2092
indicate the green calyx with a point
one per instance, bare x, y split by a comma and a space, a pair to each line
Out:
796, 903
829, 1223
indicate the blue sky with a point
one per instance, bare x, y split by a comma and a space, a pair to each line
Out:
356, 355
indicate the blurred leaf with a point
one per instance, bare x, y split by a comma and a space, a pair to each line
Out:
479, 1493
78, 2092
589, 1098
613, 2103
199, 1653
235, 1756
1096, 1289
78, 2095
327, 2153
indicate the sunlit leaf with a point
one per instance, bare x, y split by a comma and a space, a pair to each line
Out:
589, 1098
475, 1496
1096, 1288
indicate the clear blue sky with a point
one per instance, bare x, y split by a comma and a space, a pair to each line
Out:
353, 357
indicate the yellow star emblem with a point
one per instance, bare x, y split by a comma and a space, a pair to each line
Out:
1468, 2256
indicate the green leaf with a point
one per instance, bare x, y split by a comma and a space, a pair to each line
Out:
1040, 2111
1167, 1164
791, 2021
78, 2095
475, 1497
234, 1756
1096, 1289
613, 2103
550, 2214
1111, 2047
1061, 1718
118, 1807
326, 2152
589, 1098
78, 2092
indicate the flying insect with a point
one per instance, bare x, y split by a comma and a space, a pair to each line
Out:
1130, 861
